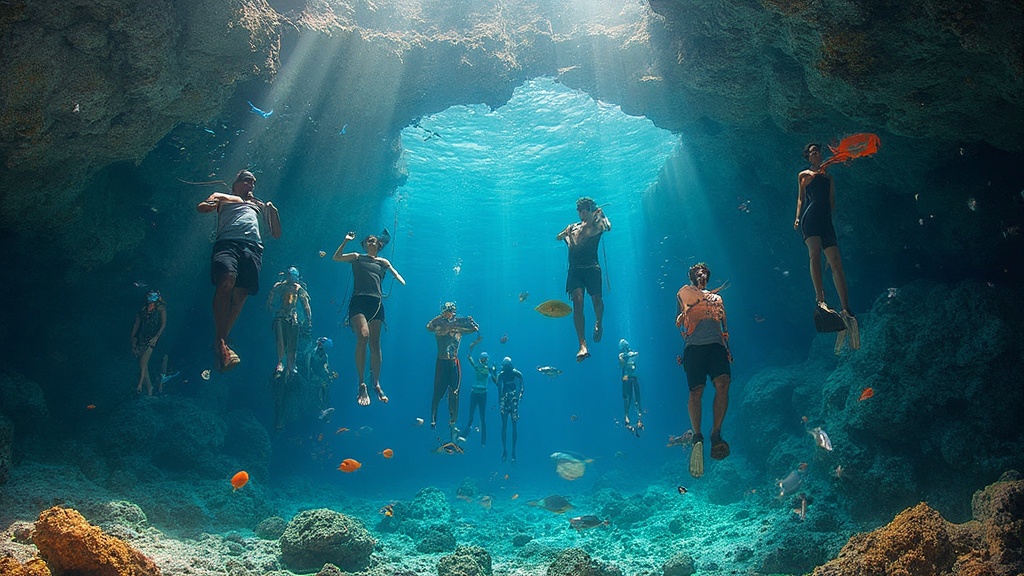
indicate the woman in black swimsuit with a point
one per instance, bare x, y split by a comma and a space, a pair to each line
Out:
814, 205
366, 309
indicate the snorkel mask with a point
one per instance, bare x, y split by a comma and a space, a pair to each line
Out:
152, 296
448, 307
293, 274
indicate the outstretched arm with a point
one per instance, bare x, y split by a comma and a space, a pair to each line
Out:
340, 255
387, 264
213, 201
564, 233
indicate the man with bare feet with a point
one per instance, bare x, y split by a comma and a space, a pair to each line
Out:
701, 317
582, 238
237, 256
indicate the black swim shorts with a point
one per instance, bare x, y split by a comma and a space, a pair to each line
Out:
369, 306
588, 277
240, 259
703, 361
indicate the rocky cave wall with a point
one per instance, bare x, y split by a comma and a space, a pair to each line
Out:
107, 105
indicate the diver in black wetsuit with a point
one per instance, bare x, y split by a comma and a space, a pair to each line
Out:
583, 238
815, 202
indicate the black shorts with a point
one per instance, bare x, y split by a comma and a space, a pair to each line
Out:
703, 361
588, 277
240, 259
815, 224
369, 306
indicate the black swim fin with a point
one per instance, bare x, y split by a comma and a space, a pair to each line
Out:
827, 320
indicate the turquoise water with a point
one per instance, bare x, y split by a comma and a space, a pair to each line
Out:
475, 223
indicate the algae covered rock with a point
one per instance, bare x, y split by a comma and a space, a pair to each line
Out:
576, 562
70, 545
466, 561
679, 565
317, 537
272, 528
438, 538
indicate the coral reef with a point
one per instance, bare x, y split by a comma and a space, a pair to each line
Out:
919, 542
317, 537
11, 567
69, 544
949, 400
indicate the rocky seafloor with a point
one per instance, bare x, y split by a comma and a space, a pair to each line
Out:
939, 434
430, 535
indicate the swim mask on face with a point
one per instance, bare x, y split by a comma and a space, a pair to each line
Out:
324, 342
293, 273
623, 345
484, 356
506, 362
448, 307
152, 296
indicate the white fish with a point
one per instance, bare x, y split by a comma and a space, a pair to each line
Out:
821, 438
326, 414
205, 374
549, 371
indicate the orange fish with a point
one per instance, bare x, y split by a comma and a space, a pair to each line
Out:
340, 430
867, 393
349, 465
240, 479
90, 407
388, 453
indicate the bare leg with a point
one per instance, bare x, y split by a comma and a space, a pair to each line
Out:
279, 337
578, 321
694, 408
814, 254
599, 314
838, 276
238, 296
291, 341
719, 447
144, 371
362, 332
222, 312
515, 438
721, 403
504, 433
639, 407
376, 358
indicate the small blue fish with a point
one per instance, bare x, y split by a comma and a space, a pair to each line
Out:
343, 128
256, 110
210, 131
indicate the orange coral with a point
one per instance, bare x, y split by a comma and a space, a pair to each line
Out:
69, 543
11, 567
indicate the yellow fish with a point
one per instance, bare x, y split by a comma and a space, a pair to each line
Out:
554, 309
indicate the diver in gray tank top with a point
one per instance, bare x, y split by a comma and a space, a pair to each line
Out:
237, 256
366, 309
